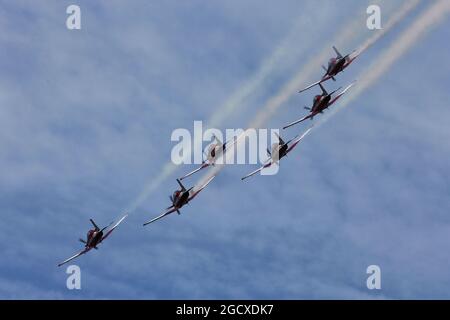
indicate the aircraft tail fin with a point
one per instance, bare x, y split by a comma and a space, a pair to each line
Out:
323, 89
93, 223
217, 139
339, 55
181, 185
280, 140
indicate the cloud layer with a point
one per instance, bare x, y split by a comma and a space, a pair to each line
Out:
85, 124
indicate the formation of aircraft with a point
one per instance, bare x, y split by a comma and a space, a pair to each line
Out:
94, 238
323, 101
279, 150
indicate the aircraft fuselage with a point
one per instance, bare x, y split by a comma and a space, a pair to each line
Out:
283, 150
93, 238
180, 198
214, 151
279, 151
336, 66
320, 103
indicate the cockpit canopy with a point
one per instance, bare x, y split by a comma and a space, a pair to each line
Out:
331, 62
212, 150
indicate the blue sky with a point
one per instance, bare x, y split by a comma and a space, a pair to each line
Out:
85, 124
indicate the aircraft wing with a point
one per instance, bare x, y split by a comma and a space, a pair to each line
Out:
74, 256
113, 227
227, 143
268, 164
196, 170
351, 58
315, 83
196, 192
169, 211
299, 120
341, 93
297, 140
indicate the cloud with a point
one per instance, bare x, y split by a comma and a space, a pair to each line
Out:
86, 119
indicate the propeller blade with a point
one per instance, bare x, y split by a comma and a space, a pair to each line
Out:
181, 185
93, 223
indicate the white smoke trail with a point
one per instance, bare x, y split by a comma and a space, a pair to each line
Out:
396, 18
267, 67
344, 36
231, 104
431, 17
151, 186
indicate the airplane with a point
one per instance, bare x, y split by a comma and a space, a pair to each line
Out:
335, 66
94, 238
214, 151
320, 103
180, 198
279, 151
